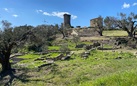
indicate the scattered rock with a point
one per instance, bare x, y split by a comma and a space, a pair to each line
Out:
80, 46
39, 59
16, 54
44, 65
43, 57
59, 57
135, 53
16, 60
66, 57
40, 53
85, 56
88, 53
88, 47
96, 44
49, 61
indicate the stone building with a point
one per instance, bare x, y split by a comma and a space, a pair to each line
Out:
93, 22
84, 32
67, 19
74, 32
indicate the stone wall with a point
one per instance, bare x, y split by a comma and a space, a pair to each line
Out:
93, 22
87, 32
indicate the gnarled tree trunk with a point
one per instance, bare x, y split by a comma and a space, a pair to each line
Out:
130, 34
63, 33
6, 64
100, 33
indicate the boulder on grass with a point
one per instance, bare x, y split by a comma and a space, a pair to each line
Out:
66, 57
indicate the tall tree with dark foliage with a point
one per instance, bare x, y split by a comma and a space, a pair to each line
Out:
10, 37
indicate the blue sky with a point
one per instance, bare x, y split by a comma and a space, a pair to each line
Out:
36, 12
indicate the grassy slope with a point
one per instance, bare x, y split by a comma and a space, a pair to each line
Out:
101, 68
115, 33
111, 33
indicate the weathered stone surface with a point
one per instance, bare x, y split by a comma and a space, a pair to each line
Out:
16, 54
67, 18
96, 44
66, 57
45, 65
59, 57
39, 59
87, 52
49, 61
85, 55
80, 45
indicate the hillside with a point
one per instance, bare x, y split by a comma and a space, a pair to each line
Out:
108, 67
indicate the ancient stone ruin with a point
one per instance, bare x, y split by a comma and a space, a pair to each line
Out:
93, 22
67, 19
85, 32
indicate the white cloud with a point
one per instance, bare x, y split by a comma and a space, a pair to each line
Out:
6, 9
134, 4
125, 5
74, 17
59, 14
46, 13
56, 14
15, 15
39, 11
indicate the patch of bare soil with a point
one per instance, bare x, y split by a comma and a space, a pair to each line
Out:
16, 60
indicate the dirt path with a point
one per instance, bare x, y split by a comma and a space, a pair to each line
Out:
16, 60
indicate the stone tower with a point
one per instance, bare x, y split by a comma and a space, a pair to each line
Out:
93, 22
67, 18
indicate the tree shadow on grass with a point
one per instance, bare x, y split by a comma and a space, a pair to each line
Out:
12, 74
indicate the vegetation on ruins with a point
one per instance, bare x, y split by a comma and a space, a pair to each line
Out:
125, 22
99, 25
40, 56
128, 23
76, 39
109, 23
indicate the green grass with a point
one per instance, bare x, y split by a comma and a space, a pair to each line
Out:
125, 78
29, 62
115, 33
107, 46
52, 55
100, 69
53, 47
98, 38
93, 71
71, 45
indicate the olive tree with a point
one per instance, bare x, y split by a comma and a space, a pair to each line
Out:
109, 22
128, 23
10, 37
64, 48
98, 25
76, 39
64, 30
